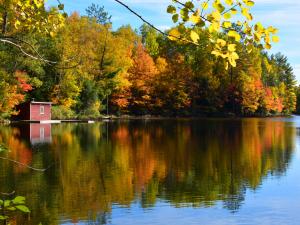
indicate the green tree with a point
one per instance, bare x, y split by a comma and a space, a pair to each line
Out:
97, 12
149, 39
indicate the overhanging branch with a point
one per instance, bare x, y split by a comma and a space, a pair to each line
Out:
151, 25
10, 41
36, 56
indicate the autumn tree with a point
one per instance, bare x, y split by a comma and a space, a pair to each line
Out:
141, 75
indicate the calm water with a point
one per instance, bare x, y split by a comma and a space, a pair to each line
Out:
157, 172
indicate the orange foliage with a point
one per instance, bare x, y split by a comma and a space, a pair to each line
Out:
22, 80
272, 102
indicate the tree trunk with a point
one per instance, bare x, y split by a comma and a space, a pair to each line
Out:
4, 23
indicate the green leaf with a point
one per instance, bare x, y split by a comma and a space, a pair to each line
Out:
3, 217
189, 5
61, 6
19, 200
184, 14
7, 203
171, 9
175, 18
23, 208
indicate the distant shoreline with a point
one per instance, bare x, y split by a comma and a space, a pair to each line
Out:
154, 117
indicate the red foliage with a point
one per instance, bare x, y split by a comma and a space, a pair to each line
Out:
22, 81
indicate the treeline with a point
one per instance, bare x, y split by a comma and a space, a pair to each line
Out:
97, 70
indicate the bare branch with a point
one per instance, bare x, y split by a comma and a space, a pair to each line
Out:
38, 56
10, 40
22, 50
8, 194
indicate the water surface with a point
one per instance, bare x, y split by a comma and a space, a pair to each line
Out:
213, 171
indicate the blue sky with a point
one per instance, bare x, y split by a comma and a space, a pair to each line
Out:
283, 14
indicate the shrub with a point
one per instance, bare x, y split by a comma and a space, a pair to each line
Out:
62, 113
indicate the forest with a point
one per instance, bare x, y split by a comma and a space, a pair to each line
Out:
97, 70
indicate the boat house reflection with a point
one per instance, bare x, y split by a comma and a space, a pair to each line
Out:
37, 133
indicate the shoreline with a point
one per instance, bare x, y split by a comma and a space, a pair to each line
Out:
153, 118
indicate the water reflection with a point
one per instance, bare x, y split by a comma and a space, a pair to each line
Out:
183, 163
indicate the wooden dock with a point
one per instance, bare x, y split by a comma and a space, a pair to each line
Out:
54, 121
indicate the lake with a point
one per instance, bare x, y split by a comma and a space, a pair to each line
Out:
204, 171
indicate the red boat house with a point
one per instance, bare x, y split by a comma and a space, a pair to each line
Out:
34, 111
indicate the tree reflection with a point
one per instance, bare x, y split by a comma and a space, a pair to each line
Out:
187, 163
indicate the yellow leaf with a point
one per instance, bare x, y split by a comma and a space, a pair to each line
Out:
227, 16
234, 35
229, 2
195, 19
232, 47
221, 42
268, 46
205, 5
246, 13
174, 34
216, 15
233, 11
227, 24
249, 3
275, 39
194, 36
216, 53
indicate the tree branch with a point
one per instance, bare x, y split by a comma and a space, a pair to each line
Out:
9, 40
38, 56
233, 7
151, 25
4, 22
203, 8
191, 10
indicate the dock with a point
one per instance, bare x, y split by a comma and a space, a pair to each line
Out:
55, 121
